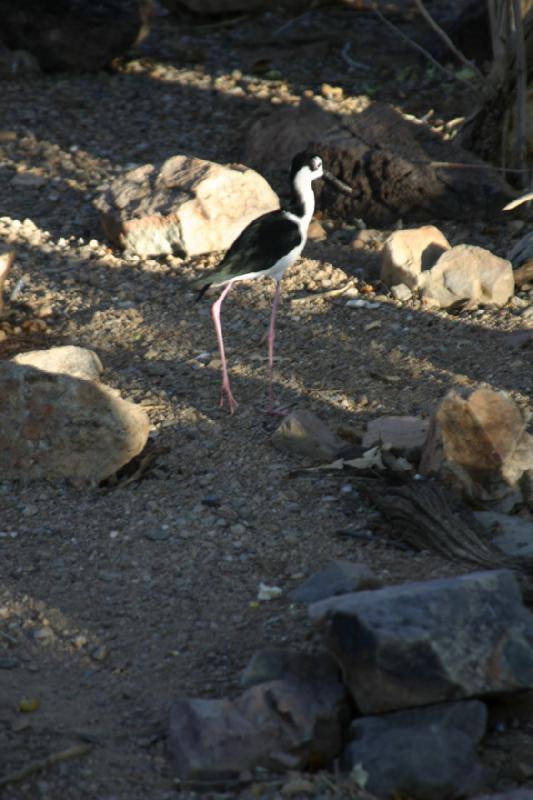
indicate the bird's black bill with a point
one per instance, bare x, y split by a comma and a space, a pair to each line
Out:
338, 184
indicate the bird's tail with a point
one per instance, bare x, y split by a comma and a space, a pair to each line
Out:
202, 290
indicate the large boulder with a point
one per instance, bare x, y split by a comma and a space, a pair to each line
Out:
396, 167
420, 753
74, 34
184, 204
54, 426
430, 641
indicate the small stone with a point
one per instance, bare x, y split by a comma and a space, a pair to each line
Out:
44, 635
79, 641
160, 535
401, 292
8, 662
99, 653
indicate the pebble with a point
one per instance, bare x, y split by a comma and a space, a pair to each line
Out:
44, 635
297, 786
158, 536
99, 653
7, 662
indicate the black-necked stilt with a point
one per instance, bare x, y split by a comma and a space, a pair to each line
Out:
267, 246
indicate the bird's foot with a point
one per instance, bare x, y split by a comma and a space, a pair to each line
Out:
227, 395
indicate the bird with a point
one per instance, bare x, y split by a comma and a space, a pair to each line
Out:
268, 246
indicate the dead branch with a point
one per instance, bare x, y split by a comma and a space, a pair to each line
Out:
450, 45
38, 766
420, 49
521, 87
519, 200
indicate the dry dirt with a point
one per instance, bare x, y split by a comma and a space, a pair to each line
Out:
117, 599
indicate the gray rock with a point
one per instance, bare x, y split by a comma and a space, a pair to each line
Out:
337, 577
425, 754
275, 725
69, 360
54, 426
304, 434
431, 641
401, 433
15, 64
183, 204
275, 663
511, 534
522, 250
407, 252
468, 276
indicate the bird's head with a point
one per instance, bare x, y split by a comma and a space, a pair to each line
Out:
308, 164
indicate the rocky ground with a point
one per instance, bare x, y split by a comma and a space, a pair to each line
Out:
116, 600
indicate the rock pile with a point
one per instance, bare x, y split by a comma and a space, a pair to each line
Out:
418, 660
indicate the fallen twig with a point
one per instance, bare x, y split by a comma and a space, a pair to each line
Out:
37, 766
345, 53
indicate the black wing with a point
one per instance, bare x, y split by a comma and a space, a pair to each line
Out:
260, 245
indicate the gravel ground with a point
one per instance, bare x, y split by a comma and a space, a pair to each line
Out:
115, 600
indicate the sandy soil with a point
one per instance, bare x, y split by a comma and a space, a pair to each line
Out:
115, 600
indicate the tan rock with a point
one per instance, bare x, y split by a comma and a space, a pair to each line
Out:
479, 443
184, 204
407, 252
78, 362
54, 426
469, 276
6, 262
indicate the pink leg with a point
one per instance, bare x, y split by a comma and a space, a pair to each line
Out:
215, 314
271, 337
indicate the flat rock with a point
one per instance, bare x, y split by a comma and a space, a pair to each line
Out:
69, 360
183, 205
54, 426
522, 250
409, 251
430, 641
304, 434
278, 725
276, 663
391, 176
74, 34
16, 64
402, 434
479, 444
468, 276
401, 292
337, 577
420, 753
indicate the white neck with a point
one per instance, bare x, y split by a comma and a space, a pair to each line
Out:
303, 198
